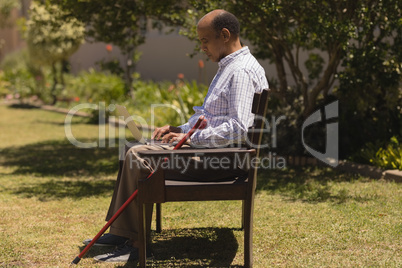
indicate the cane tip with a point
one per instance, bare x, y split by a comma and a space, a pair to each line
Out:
75, 261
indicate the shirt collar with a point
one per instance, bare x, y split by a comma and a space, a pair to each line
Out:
231, 57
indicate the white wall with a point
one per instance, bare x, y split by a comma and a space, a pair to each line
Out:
163, 58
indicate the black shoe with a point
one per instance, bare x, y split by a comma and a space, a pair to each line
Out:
123, 253
108, 240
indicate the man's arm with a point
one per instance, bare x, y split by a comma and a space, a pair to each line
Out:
232, 126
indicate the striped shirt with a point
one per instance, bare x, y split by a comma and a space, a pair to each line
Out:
227, 105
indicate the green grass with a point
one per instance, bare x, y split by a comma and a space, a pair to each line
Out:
54, 195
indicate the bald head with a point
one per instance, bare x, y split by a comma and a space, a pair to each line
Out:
220, 19
218, 32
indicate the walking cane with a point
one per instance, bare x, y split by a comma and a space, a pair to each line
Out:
201, 123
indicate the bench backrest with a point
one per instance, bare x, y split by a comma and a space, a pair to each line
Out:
259, 109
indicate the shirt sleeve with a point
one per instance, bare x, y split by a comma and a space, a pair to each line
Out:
199, 110
185, 127
232, 127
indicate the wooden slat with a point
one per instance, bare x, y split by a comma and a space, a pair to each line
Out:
256, 102
206, 192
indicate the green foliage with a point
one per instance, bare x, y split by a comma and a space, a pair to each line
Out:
314, 65
388, 156
6, 6
23, 79
7, 78
4, 85
165, 103
98, 88
51, 35
370, 84
112, 66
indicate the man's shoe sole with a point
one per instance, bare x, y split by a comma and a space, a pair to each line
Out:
86, 243
113, 240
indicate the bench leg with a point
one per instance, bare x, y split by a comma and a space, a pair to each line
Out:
142, 236
248, 206
158, 217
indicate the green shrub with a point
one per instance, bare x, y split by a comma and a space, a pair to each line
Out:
93, 86
190, 95
96, 87
165, 103
4, 85
17, 73
388, 156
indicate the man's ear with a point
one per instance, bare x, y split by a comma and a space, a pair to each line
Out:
225, 34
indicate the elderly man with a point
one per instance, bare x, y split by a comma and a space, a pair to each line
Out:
227, 108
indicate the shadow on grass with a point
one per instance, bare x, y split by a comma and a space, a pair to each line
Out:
309, 184
195, 247
66, 189
59, 158
23, 106
198, 247
65, 171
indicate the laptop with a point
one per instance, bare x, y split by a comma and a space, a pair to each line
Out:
137, 134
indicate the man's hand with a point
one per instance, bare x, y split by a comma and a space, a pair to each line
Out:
160, 131
173, 137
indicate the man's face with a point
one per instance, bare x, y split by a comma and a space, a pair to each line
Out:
211, 44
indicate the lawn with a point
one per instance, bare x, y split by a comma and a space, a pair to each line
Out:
53, 195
